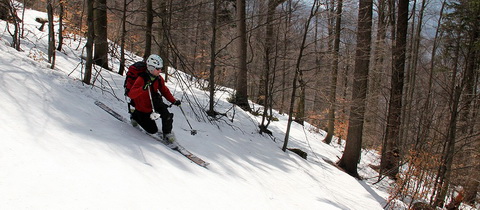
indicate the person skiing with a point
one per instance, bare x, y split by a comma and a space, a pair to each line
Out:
146, 94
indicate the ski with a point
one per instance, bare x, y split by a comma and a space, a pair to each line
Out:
177, 147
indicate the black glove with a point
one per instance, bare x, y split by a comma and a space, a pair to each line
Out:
177, 103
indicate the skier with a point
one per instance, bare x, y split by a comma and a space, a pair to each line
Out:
146, 93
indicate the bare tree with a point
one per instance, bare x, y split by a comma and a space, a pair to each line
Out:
148, 30
9, 13
425, 116
391, 155
407, 130
213, 55
351, 155
462, 36
374, 111
101, 38
163, 31
269, 61
313, 12
333, 82
409, 124
285, 52
442, 180
121, 68
89, 45
60, 24
241, 94
51, 35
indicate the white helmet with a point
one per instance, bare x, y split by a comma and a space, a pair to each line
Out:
154, 62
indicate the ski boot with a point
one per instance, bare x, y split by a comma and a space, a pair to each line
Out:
133, 122
170, 139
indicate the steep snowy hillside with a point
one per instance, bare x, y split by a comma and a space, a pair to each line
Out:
60, 151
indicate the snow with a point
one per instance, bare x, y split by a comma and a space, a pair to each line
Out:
60, 151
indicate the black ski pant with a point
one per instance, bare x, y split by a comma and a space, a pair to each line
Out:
149, 125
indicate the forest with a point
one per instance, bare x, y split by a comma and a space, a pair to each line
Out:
398, 76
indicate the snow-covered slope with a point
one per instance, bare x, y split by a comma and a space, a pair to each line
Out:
59, 151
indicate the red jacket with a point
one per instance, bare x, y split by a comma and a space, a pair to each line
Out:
141, 97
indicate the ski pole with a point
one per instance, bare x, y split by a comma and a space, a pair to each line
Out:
192, 131
154, 115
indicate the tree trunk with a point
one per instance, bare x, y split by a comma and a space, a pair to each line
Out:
390, 160
163, 30
333, 84
260, 33
101, 43
60, 26
373, 126
16, 23
288, 20
425, 119
241, 95
213, 55
442, 180
269, 47
411, 76
351, 155
89, 44
51, 35
318, 99
470, 118
4, 9
392, 18
472, 64
447, 158
313, 12
471, 188
121, 68
300, 113
148, 30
